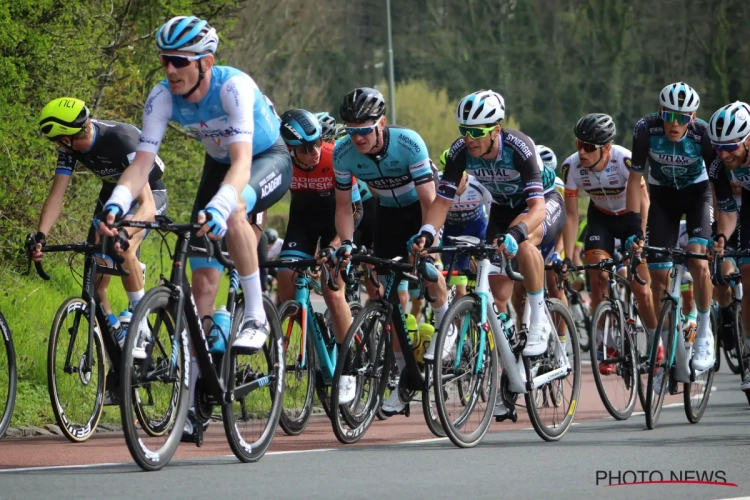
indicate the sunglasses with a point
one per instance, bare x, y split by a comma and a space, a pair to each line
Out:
587, 146
179, 61
673, 116
729, 148
363, 130
475, 132
309, 147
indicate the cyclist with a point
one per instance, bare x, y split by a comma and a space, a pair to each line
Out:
555, 252
395, 164
328, 127
600, 168
526, 207
677, 147
729, 131
312, 217
106, 148
275, 243
223, 108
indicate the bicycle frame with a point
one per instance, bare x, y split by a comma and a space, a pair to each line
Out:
326, 354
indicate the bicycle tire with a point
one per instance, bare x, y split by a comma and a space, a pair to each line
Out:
655, 401
375, 364
78, 422
740, 342
273, 352
694, 411
429, 410
641, 352
7, 399
294, 419
556, 432
158, 300
454, 428
624, 371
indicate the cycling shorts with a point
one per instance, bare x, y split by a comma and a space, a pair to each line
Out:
305, 230
396, 225
365, 232
602, 231
664, 215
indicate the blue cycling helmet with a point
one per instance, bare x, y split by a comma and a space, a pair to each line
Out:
187, 33
300, 127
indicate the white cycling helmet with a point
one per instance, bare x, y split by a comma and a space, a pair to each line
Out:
680, 97
484, 107
187, 33
730, 123
548, 156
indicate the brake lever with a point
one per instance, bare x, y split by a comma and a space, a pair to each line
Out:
716, 278
635, 261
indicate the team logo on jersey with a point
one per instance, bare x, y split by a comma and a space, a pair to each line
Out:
628, 163
565, 170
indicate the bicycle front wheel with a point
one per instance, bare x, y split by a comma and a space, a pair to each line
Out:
8, 377
257, 381
552, 406
696, 393
741, 349
463, 370
153, 431
75, 370
299, 377
615, 374
659, 369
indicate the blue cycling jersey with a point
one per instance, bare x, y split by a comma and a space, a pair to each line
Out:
364, 191
671, 164
234, 109
393, 174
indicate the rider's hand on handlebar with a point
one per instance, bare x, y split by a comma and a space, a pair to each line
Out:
635, 242
324, 254
506, 245
104, 220
344, 252
213, 222
34, 244
716, 246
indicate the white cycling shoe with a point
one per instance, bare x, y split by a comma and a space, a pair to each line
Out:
347, 388
703, 353
536, 339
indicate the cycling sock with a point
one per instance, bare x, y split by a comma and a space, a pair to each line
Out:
400, 361
193, 380
536, 305
134, 297
704, 325
439, 313
253, 297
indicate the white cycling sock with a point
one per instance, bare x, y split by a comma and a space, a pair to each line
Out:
439, 313
134, 297
536, 305
704, 325
253, 297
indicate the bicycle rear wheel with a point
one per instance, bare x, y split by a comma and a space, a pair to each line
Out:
742, 352
250, 420
618, 385
8, 377
153, 432
75, 374
660, 372
366, 354
299, 381
463, 373
552, 406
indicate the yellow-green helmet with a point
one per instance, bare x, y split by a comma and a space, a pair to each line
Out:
444, 157
63, 116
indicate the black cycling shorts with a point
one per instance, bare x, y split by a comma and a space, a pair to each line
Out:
667, 208
305, 230
160, 201
396, 225
554, 220
743, 237
365, 232
270, 178
602, 230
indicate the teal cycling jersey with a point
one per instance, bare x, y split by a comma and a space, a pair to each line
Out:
722, 179
393, 174
233, 110
364, 191
517, 173
671, 164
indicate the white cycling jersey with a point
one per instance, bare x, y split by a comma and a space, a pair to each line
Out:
606, 188
275, 249
474, 203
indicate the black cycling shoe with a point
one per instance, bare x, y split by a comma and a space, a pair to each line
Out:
193, 430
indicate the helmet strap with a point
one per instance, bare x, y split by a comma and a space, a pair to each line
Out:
201, 75
300, 163
377, 139
599, 161
491, 146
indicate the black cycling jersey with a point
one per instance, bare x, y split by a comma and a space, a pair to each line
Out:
112, 151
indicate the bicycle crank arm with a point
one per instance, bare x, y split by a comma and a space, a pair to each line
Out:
245, 389
550, 376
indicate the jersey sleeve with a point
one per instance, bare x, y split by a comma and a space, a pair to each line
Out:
238, 99
66, 162
708, 152
525, 162
455, 165
341, 170
571, 188
156, 115
356, 196
718, 176
641, 136
486, 195
420, 165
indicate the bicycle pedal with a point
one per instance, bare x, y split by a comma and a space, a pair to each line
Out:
512, 415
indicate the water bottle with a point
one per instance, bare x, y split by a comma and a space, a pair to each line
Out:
117, 328
425, 334
219, 334
411, 328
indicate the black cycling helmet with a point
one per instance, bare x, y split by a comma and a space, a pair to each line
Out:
272, 235
299, 127
596, 128
361, 105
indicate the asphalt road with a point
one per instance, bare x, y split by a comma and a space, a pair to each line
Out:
511, 462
